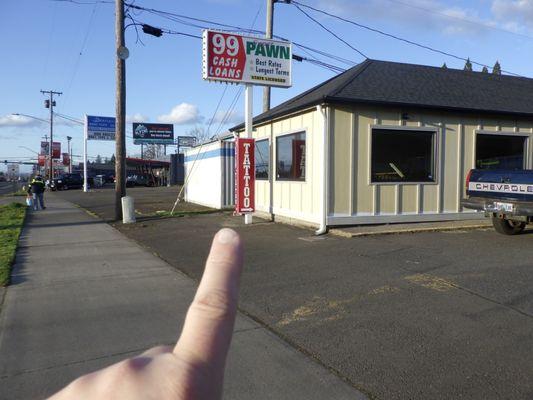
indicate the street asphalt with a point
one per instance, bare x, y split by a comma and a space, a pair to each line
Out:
8, 187
435, 315
84, 296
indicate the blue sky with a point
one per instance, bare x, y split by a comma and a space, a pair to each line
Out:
69, 47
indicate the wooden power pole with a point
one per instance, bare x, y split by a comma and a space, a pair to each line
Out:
120, 134
268, 35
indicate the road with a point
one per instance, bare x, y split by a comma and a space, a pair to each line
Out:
418, 316
8, 187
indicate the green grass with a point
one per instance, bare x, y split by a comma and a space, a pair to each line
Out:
11, 221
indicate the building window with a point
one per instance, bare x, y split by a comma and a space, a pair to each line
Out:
403, 156
262, 159
500, 151
290, 157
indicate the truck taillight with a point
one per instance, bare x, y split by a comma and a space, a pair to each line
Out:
468, 178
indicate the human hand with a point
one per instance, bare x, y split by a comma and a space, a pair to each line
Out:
194, 367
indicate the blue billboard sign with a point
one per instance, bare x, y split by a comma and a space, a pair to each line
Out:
100, 128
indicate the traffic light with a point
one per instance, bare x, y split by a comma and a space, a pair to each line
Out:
150, 30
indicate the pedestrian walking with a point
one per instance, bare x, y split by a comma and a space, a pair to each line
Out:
37, 188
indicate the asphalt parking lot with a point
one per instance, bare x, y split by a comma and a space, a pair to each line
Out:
412, 316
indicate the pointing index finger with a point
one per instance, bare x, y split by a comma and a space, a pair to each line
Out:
208, 327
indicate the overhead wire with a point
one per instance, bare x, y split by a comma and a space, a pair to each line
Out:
331, 32
297, 3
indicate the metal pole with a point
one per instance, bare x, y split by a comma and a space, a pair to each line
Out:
268, 35
85, 183
51, 172
120, 165
248, 121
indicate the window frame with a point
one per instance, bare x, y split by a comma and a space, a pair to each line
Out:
436, 132
269, 161
295, 132
527, 136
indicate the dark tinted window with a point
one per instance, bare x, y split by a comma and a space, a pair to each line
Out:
500, 151
262, 157
290, 157
402, 156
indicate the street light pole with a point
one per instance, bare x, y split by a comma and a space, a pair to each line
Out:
69, 138
50, 104
120, 109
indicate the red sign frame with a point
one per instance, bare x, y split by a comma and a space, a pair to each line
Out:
56, 150
244, 175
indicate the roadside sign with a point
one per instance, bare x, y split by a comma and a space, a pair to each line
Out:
186, 141
230, 57
100, 128
56, 150
44, 148
244, 175
144, 133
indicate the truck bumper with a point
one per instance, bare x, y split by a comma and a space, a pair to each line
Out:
520, 209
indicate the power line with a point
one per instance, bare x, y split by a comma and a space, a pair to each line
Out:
443, 14
330, 31
297, 3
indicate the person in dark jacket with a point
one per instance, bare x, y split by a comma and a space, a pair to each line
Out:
37, 188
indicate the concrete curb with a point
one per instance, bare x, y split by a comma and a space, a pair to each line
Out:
402, 230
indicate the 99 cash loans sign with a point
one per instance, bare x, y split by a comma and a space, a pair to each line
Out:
245, 175
235, 58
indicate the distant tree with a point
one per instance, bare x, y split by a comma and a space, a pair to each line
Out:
444, 66
485, 70
153, 151
106, 160
112, 159
200, 134
98, 159
497, 69
468, 65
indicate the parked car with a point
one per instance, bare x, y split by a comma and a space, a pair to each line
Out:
506, 196
67, 181
138, 180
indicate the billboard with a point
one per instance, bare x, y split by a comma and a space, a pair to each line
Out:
56, 150
230, 57
186, 141
44, 148
41, 160
99, 128
244, 175
153, 133
66, 159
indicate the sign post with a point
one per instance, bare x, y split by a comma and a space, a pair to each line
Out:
95, 128
234, 58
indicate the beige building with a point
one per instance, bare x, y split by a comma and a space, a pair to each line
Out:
387, 142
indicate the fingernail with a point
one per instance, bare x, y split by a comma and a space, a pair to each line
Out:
226, 236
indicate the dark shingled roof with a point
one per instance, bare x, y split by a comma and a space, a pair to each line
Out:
391, 83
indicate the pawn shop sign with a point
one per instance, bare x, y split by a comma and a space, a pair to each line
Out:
245, 175
229, 57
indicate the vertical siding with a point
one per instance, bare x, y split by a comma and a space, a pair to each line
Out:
294, 199
340, 156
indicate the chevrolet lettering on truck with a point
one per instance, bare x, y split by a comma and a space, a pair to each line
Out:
506, 196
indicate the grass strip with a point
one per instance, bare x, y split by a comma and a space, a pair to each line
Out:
11, 221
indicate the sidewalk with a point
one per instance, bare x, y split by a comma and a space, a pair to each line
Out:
83, 296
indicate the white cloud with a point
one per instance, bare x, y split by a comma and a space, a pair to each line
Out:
11, 121
233, 118
137, 117
182, 114
431, 15
515, 15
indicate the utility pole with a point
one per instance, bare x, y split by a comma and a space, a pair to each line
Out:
120, 135
69, 138
268, 35
51, 104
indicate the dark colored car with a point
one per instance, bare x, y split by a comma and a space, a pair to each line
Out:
67, 181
